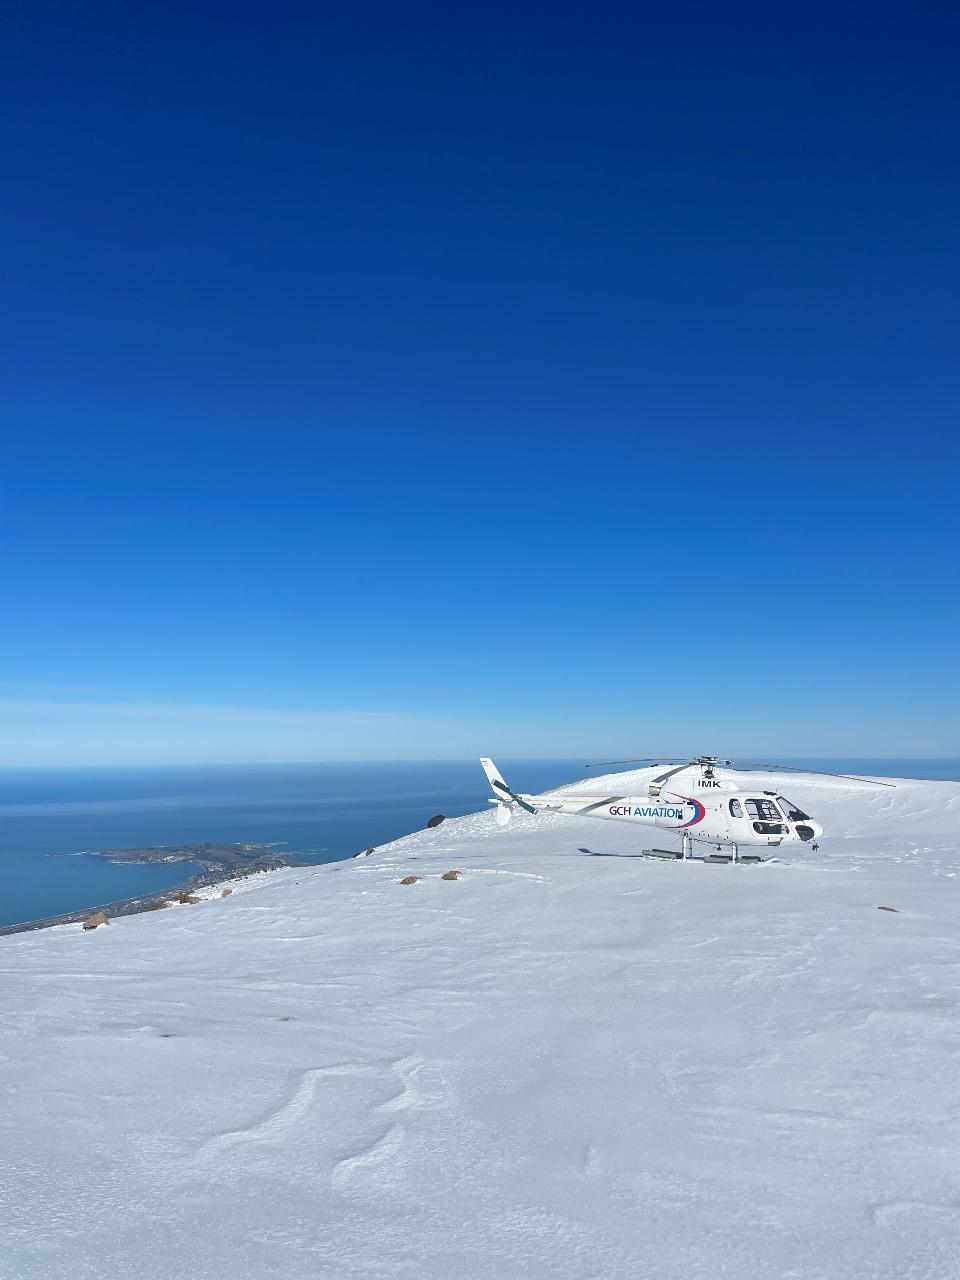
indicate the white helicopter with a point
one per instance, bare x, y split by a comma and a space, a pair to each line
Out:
722, 813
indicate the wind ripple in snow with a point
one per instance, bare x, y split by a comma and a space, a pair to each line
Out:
275, 1127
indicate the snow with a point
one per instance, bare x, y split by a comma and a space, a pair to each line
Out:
560, 1065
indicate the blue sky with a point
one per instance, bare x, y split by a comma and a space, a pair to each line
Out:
420, 382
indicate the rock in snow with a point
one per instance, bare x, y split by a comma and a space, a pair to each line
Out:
573, 1066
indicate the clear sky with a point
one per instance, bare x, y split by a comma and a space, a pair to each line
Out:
427, 380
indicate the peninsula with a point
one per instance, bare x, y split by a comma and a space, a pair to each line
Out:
219, 862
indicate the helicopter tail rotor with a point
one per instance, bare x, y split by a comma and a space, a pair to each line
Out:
506, 799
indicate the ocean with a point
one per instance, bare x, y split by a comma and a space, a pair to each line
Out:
316, 812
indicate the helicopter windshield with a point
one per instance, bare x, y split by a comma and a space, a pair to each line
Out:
793, 811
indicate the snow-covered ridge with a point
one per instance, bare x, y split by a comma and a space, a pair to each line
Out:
571, 1062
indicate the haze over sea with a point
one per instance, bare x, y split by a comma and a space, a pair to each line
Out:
318, 812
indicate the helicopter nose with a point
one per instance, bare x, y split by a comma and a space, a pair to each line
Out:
808, 831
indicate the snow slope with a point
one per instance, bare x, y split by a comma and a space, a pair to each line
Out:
561, 1065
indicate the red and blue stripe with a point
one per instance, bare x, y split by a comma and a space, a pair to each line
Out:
698, 816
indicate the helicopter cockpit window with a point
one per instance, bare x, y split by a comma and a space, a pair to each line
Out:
765, 810
793, 811
767, 818
736, 809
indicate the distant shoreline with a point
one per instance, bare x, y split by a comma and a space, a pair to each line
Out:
220, 862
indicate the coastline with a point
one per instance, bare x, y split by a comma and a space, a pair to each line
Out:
221, 863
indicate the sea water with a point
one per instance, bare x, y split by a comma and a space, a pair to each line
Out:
315, 813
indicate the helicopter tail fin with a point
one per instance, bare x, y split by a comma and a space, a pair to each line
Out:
506, 799
494, 775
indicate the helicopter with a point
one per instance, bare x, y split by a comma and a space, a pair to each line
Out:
698, 805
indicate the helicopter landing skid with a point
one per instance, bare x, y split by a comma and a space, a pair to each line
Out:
715, 859
748, 859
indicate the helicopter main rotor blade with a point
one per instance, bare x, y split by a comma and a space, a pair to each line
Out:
744, 767
603, 764
669, 774
820, 773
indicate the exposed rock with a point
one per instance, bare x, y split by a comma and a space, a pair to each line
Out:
129, 906
97, 919
410, 880
450, 875
226, 893
187, 897
436, 820
158, 906
895, 910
